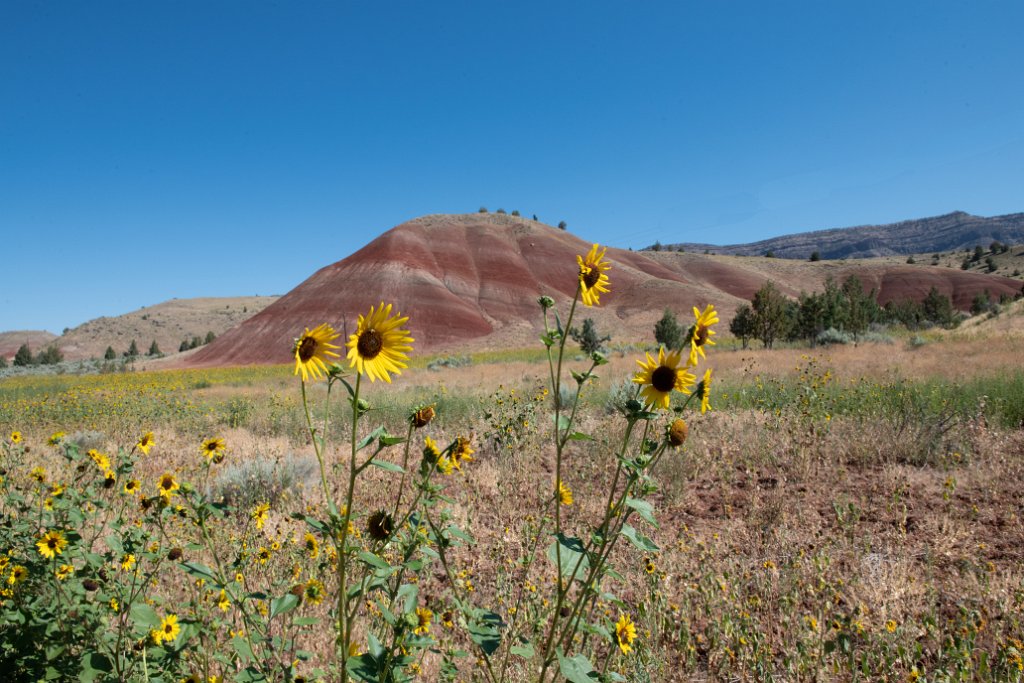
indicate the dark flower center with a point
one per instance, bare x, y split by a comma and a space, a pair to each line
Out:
51, 544
307, 348
369, 344
702, 335
381, 526
663, 379
591, 277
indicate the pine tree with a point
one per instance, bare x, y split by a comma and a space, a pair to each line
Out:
154, 349
668, 332
109, 354
23, 357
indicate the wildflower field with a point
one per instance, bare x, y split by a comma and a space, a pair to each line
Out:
692, 514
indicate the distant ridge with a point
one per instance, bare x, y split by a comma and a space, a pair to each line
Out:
950, 232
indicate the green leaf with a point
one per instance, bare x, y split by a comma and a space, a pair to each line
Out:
389, 466
485, 631
644, 509
460, 534
372, 560
285, 603
94, 665
145, 617
241, 646
563, 423
579, 436
250, 675
199, 570
371, 437
525, 650
388, 440
363, 668
577, 669
638, 539
572, 552
305, 621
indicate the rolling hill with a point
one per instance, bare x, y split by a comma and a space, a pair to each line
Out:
472, 280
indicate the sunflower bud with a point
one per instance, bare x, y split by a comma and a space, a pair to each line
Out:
175, 554
546, 302
678, 432
422, 417
90, 585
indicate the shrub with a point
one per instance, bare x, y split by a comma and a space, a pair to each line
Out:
834, 336
815, 256
911, 260
109, 354
449, 362
247, 483
562, 225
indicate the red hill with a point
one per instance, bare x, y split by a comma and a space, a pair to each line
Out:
475, 278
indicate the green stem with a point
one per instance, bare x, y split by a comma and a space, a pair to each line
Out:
344, 634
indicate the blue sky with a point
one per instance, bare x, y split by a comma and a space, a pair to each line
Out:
178, 149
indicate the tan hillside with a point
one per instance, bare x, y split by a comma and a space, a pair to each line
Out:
472, 280
167, 323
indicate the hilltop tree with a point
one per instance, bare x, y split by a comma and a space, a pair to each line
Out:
668, 332
154, 349
133, 350
562, 225
109, 354
23, 356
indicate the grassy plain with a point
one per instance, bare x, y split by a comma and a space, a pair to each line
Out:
850, 513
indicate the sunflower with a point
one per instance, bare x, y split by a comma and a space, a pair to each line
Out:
462, 450
51, 544
593, 281
39, 474
661, 376
379, 344
18, 574
380, 526
625, 633
700, 333
423, 618
312, 349
167, 631
64, 571
564, 494
167, 485
314, 591
704, 391
56, 438
146, 442
15, 437
128, 562
259, 514
213, 448
311, 545
131, 487
101, 460
263, 555
223, 602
